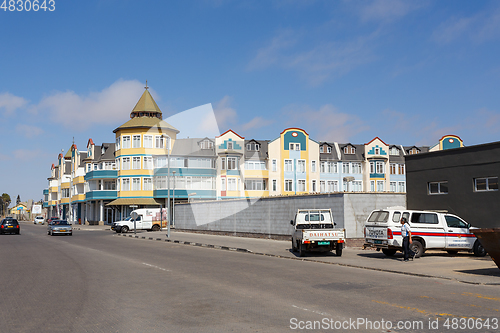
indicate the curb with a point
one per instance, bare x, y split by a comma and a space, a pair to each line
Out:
220, 247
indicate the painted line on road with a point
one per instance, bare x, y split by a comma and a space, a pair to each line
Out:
461, 303
157, 267
482, 296
313, 311
424, 312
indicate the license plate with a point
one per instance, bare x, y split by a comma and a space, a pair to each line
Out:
10, 226
323, 243
377, 241
62, 230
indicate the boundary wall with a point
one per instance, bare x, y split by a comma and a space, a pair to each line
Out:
270, 216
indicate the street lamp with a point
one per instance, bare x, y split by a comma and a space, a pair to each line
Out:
168, 182
173, 202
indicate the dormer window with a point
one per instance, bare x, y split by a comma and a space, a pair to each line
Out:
394, 151
206, 144
350, 150
377, 151
253, 146
321, 149
229, 145
294, 146
413, 151
328, 149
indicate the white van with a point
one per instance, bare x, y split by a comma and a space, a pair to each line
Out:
429, 230
148, 219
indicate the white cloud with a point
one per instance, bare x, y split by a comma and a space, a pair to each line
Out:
225, 114
79, 112
10, 102
198, 122
325, 124
29, 131
477, 28
388, 10
255, 123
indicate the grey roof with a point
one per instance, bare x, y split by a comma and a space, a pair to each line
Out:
325, 156
109, 152
357, 156
83, 156
191, 147
257, 155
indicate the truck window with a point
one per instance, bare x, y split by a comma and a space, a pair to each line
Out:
314, 217
378, 216
454, 222
396, 217
428, 218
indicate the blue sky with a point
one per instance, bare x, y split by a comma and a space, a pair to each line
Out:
408, 72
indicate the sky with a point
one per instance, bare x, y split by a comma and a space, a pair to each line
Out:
407, 72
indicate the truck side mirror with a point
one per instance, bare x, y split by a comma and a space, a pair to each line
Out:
291, 222
334, 223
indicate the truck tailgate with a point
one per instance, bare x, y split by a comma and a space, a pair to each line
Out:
320, 235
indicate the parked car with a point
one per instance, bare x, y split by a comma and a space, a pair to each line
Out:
39, 220
10, 226
59, 227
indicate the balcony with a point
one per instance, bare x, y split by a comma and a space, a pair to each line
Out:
100, 174
101, 195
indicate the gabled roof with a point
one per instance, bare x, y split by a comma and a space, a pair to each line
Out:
375, 138
230, 130
191, 147
90, 142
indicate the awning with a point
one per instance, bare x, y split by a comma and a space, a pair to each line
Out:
133, 201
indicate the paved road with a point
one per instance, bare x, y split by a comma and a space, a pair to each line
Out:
97, 281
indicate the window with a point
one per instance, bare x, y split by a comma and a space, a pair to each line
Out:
288, 185
329, 167
109, 185
357, 186
413, 151
136, 184
126, 184
372, 186
288, 166
429, 218
159, 142
274, 165
377, 151
393, 186
148, 162
301, 185
136, 141
223, 184
206, 144
380, 186
322, 186
148, 184
95, 166
379, 167
322, 167
117, 164
231, 163
126, 163
350, 150
117, 146
438, 187
136, 162
394, 151
89, 167
232, 184
223, 163
455, 222
321, 149
402, 187
230, 145
313, 166
372, 167
253, 146
294, 146
301, 166
332, 186
401, 169
393, 168
486, 184
275, 185
255, 185
329, 149
356, 167
148, 141
313, 185
126, 141
255, 165
345, 167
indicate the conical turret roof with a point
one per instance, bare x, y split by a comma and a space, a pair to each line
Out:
146, 107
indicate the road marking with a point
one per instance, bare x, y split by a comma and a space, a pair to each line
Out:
153, 266
481, 296
313, 311
471, 305
424, 312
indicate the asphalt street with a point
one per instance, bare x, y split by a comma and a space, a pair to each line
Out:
98, 281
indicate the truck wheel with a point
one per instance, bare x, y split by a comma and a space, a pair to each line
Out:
389, 252
479, 250
338, 250
417, 247
124, 229
156, 227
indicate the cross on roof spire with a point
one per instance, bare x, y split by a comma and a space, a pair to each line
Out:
146, 85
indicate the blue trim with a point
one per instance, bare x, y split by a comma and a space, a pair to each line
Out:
377, 175
300, 138
235, 145
232, 172
46, 191
372, 151
100, 174
101, 195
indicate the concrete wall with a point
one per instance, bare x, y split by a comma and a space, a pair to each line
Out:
271, 216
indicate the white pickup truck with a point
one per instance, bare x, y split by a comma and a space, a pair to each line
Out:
314, 230
429, 230
147, 219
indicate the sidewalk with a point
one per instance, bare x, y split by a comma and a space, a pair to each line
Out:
462, 267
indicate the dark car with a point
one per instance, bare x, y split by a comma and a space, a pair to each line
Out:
10, 226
